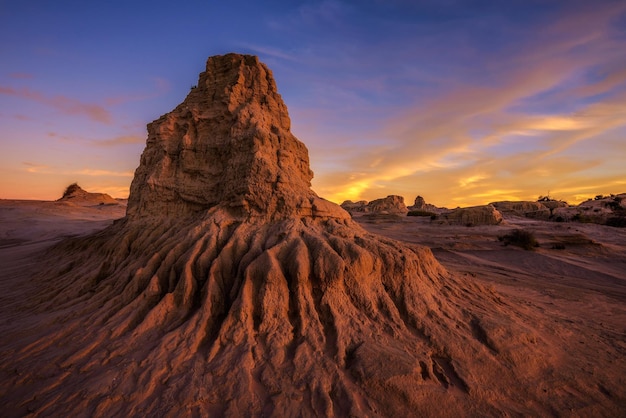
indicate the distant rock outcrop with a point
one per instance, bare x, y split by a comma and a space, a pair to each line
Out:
421, 205
603, 210
76, 195
535, 210
390, 205
473, 216
350, 206
232, 289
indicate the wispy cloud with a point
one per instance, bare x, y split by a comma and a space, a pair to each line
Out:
21, 76
37, 168
474, 136
120, 140
102, 173
161, 86
63, 104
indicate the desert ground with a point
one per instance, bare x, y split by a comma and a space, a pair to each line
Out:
578, 290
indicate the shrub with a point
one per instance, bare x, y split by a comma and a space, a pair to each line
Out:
614, 205
617, 221
520, 238
71, 189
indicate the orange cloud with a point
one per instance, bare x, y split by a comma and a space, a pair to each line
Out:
466, 144
120, 140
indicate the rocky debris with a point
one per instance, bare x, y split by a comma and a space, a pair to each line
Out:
534, 210
473, 216
603, 210
231, 289
350, 206
74, 194
421, 205
390, 205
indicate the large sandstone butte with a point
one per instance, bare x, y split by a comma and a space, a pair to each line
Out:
231, 289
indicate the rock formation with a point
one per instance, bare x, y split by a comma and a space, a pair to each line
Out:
232, 289
76, 195
352, 207
390, 205
535, 210
421, 205
604, 210
473, 216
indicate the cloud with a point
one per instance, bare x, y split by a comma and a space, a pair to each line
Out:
21, 76
102, 173
120, 140
37, 168
477, 134
162, 86
65, 105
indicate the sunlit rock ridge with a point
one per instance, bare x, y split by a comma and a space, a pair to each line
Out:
229, 144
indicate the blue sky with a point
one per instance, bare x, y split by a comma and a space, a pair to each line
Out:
462, 102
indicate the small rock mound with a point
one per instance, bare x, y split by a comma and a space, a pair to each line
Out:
421, 206
473, 216
390, 205
535, 210
352, 207
76, 195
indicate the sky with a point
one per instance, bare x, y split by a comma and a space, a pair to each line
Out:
461, 102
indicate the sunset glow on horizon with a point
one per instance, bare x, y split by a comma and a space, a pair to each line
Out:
461, 102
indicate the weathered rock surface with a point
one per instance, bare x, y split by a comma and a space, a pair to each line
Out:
350, 206
74, 194
535, 210
231, 289
390, 205
473, 216
609, 210
421, 205
227, 144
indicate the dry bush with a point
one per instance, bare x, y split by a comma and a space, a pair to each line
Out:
520, 238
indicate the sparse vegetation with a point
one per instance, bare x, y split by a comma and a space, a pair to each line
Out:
71, 189
520, 238
614, 204
617, 221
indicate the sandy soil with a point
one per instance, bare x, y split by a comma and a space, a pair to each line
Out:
579, 290
27, 229
575, 295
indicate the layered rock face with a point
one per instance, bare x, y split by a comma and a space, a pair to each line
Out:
231, 289
390, 205
229, 144
421, 205
474, 215
527, 209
